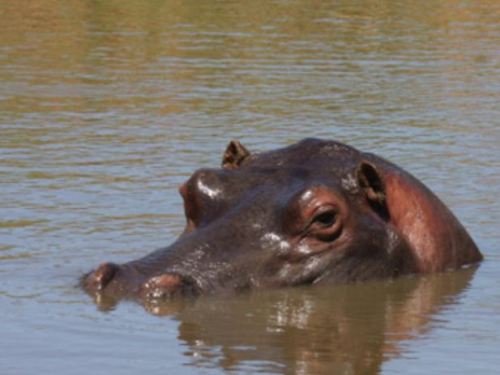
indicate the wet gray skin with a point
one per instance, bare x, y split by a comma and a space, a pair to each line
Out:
314, 212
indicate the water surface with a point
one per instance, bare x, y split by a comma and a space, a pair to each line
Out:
107, 106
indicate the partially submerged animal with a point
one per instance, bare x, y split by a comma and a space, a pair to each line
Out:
315, 212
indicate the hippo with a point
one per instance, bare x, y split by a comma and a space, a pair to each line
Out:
315, 212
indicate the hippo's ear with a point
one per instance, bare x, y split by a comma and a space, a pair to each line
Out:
372, 185
234, 155
437, 239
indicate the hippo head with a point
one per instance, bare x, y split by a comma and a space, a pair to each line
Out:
314, 212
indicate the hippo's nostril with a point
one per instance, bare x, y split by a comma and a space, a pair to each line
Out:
101, 277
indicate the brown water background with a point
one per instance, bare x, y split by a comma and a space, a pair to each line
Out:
107, 106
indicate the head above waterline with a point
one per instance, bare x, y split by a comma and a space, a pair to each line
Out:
315, 212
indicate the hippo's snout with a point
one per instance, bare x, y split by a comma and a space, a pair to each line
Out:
110, 277
100, 277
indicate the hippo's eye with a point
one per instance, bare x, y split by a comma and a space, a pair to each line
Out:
320, 213
326, 219
326, 224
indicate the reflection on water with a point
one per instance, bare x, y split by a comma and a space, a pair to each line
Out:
350, 329
107, 106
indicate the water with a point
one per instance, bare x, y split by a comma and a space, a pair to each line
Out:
107, 106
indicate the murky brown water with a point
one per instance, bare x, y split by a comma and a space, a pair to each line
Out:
107, 106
